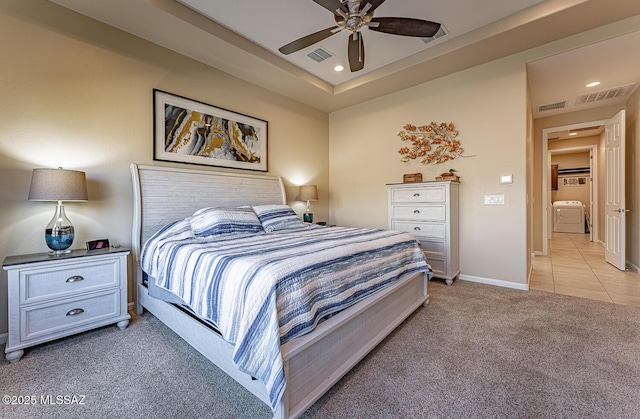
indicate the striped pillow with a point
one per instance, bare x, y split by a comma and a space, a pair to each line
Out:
215, 221
277, 217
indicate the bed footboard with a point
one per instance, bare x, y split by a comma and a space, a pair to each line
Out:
316, 361
313, 363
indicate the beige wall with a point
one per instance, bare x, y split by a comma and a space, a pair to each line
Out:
78, 94
488, 105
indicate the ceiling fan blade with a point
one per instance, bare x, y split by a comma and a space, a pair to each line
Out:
405, 26
308, 40
332, 6
356, 52
374, 4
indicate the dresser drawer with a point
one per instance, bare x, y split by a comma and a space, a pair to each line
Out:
434, 248
419, 212
65, 280
432, 194
42, 320
421, 229
438, 266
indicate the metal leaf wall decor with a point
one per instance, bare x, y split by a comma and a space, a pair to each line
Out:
433, 143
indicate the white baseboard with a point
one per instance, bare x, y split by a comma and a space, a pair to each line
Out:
496, 282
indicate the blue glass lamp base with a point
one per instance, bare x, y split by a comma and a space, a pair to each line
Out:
59, 233
307, 217
59, 243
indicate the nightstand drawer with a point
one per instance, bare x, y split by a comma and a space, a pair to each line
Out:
432, 194
42, 320
421, 229
419, 212
65, 280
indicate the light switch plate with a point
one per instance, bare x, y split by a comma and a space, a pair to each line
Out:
506, 179
494, 199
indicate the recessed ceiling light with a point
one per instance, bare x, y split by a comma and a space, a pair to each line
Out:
338, 67
573, 133
593, 84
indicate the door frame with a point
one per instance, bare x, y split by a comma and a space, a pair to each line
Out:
546, 175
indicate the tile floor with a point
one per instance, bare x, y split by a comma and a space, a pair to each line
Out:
576, 266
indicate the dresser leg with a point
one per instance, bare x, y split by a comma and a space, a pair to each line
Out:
449, 281
14, 356
123, 324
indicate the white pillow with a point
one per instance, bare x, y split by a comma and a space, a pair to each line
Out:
215, 221
277, 217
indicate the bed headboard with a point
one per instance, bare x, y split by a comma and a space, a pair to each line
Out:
165, 194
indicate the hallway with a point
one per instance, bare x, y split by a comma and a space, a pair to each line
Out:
575, 266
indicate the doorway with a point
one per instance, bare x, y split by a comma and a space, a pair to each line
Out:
594, 128
576, 179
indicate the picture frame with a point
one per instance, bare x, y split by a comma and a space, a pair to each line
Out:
193, 132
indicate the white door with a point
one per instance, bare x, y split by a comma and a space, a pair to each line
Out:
614, 191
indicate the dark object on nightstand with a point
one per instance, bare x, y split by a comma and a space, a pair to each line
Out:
98, 244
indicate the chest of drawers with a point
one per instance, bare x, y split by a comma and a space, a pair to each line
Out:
429, 211
52, 297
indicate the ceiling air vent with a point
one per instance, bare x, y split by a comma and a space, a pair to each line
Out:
612, 93
596, 127
441, 32
319, 55
551, 106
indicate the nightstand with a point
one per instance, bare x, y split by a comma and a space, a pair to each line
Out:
50, 297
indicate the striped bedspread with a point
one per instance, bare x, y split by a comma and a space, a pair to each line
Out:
261, 290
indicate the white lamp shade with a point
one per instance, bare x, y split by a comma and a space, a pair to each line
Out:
308, 193
58, 185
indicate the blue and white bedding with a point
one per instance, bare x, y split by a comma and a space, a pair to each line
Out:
262, 289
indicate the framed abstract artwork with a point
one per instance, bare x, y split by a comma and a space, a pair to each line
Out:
188, 131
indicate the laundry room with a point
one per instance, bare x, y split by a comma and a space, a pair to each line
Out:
571, 191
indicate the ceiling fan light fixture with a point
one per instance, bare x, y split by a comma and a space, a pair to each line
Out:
354, 15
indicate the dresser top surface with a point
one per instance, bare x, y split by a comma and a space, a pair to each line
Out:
426, 182
46, 257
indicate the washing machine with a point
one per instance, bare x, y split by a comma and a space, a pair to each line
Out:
568, 217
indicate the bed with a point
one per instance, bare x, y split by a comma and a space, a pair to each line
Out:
311, 363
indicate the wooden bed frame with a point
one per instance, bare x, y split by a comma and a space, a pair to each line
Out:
313, 363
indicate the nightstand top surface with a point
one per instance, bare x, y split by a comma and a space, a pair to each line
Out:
45, 257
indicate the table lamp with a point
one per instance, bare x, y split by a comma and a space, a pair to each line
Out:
58, 185
308, 193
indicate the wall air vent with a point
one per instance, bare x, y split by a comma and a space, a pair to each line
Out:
551, 106
319, 55
441, 32
594, 128
612, 93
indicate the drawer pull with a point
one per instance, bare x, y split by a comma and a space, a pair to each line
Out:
416, 194
75, 278
416, 228
416, 211
75, 311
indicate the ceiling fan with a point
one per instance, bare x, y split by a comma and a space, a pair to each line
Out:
351, 16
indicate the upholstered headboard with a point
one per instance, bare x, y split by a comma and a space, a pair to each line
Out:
164, 194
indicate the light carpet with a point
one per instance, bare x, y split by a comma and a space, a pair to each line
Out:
477, 351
